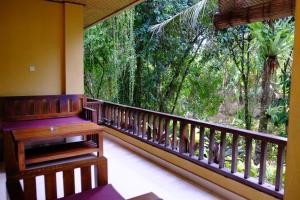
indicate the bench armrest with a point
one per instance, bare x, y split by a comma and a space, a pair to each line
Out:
90, 114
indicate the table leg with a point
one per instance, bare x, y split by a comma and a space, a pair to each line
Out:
100, 143
21, 155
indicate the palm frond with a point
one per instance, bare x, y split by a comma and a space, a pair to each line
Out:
188, 17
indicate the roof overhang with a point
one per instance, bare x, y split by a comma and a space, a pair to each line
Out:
98, 10
238, 12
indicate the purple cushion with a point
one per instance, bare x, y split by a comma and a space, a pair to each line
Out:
8, 126
106, 192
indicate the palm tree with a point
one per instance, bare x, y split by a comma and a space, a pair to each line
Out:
274, 39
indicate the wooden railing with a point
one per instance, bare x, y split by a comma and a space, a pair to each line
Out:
213, 146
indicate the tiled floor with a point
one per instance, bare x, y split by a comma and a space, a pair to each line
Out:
133, 175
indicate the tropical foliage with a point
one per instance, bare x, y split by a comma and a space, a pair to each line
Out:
165, 55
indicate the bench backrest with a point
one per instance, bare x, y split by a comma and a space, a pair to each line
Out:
40, 107
50, 182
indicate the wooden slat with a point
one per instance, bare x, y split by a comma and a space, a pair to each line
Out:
21, 155
116, 116
154, 132
183, 142
102, 172
235, 142
134, 123
160, 129
192, 140
211, 145
122, 118
174, 135
126, 119
266, 11
138, 123
201, 143
50, 186
248, 157
129, 121
279, 169
111, 113
144, 126
63, 104
167, 127
30, 188
69, 183
86, 178
222, 150
148, 128
263, 158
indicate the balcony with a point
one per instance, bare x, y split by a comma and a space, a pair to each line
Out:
198, 147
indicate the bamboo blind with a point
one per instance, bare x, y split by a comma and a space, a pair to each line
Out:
238, 12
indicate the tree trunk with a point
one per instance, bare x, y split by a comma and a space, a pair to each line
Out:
137, 93
265, 101
246, 104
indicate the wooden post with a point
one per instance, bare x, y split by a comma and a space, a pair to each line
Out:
201, 143
183, 143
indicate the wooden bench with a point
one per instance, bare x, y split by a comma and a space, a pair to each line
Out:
22, 118
40, 111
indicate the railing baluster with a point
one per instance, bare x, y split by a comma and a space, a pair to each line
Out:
211, 146
174, 135
133, 122
222, 149
167, 126
235, 142
122, 119
262, 166
154, 132
107, 114
160, 130
201, 143
126, 119
192, 140
144, 128
112, 115
149, 127
183, 142
279, 169
129, 121
117, 116
248, 157
138, 123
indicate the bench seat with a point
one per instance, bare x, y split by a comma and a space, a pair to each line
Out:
106, 192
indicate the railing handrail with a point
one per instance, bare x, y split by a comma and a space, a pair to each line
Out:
217, 127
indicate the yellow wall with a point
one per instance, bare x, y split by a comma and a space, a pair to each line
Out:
32, 32
220, 180
292, 188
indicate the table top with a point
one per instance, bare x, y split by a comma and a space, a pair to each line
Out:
53, 132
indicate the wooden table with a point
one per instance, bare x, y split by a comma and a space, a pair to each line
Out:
61, 151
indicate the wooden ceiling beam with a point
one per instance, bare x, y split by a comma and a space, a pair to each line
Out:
266, 11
